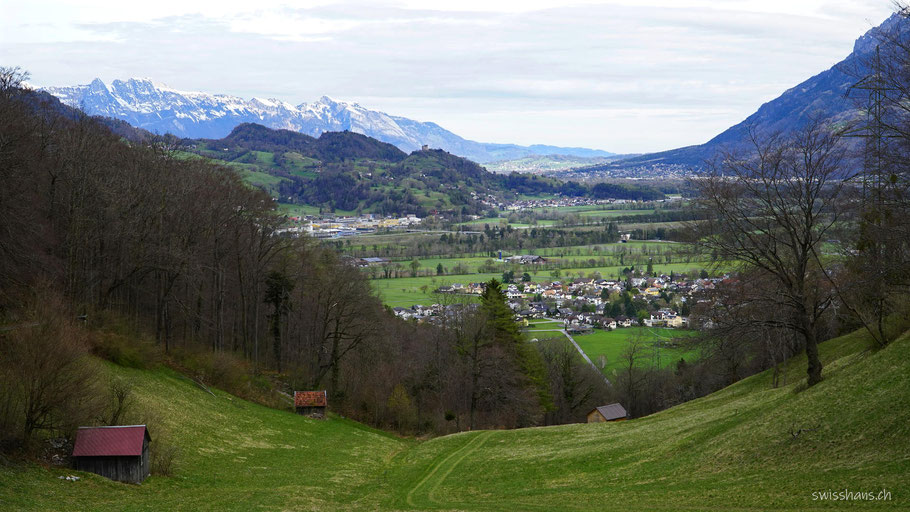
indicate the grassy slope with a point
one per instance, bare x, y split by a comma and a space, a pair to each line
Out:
233, 455
729, 451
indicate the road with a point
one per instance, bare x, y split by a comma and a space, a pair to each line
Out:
577, 347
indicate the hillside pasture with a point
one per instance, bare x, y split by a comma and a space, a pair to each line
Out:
607, 347
736, 449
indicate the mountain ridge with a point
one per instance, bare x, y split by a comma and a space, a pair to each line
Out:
158, 108
823, 96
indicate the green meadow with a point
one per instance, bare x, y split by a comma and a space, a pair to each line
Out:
607, 347
732, 450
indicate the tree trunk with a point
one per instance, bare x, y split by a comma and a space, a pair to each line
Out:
815, 365
276, 336
475, 375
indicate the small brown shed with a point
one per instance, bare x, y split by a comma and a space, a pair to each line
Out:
119, 453
310, 403
611, 412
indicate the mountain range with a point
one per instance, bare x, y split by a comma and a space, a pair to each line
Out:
825, 96
158, 108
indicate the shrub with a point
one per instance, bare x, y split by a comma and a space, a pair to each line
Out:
124, 350
164, 459
47, 379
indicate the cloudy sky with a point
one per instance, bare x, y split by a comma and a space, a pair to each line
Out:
620, 75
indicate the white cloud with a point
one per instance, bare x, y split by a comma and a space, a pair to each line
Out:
622, 75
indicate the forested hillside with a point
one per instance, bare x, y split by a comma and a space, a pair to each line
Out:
354, 173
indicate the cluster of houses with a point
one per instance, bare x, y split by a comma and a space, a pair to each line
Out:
580, 303
337, 227
433, 314
526, 259
531, 204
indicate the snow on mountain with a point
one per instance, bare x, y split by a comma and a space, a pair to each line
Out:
158, 108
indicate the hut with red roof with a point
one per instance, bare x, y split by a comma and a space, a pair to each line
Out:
119, 453
310, 403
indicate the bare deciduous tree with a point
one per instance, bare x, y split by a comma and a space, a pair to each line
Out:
770, 210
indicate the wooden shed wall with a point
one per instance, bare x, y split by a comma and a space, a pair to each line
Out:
133, 469
316, 412
595, 417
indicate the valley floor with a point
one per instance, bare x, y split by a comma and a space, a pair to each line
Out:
732, 450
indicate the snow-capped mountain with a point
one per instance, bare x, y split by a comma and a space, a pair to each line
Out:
161, 109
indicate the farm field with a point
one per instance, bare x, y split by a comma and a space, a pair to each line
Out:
297, 210
565, 257
495, 221
383, 240
407, 291
584, 212
731, 450
610, 345
613, 213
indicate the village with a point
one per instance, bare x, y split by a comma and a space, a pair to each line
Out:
338, 227
585, 303
541, 203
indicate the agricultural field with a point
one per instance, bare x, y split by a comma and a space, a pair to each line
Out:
496, 221
297, 210
605, 348
613, 213
731, 450
408, 291
571, 258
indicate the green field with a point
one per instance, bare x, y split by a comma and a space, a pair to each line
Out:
587, 212
612, 344
297, 210
407, 291
613, 213
732, 450
577, 256
495, 221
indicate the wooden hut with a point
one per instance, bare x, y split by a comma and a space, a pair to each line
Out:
310, 403
118, 453
611, 412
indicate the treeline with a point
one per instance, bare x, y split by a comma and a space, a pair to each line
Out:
327, 148
518, 241
530, 184
142, 245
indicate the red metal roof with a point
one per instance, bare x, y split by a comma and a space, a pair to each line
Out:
109, 441
309, 399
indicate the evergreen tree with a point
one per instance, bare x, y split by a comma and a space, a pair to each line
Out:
506, 333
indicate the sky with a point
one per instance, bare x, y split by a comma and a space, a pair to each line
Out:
620, 75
